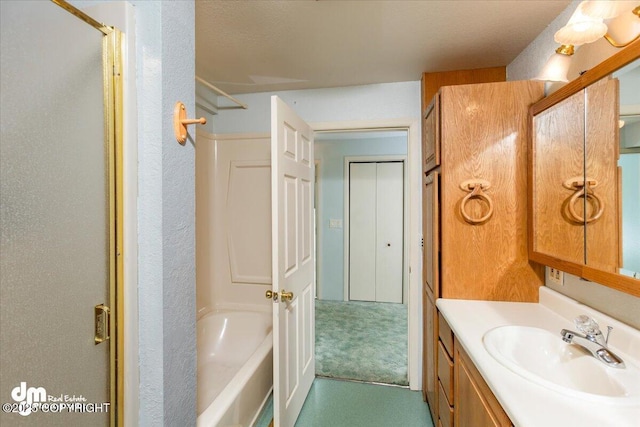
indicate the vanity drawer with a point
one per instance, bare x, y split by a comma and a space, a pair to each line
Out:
445, 334
445, 372
445, 412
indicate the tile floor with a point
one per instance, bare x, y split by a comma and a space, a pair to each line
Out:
335, 403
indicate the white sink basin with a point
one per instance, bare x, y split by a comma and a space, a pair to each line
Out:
542, 357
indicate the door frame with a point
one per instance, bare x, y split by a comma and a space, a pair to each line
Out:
414, 151
118, 64
405, 216
318, 230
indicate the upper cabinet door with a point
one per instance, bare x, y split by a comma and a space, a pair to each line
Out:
583, 172
602, 203
431, 135
576, 204
558, 150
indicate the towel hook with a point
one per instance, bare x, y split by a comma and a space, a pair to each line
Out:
180, 122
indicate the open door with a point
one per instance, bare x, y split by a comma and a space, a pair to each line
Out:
292, 187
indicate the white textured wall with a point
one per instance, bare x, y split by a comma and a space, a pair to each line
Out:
528, 65
166, 214
367, 102
530, 61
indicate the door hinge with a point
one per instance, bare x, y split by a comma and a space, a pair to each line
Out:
101, 318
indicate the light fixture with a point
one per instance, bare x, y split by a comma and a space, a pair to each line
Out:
624, 29
581, 29
557, 66
587, 25
603, 9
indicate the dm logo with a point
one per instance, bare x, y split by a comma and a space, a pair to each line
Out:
28, 396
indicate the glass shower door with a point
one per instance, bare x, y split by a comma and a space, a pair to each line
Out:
55, 215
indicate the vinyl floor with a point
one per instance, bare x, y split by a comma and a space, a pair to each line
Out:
337, 403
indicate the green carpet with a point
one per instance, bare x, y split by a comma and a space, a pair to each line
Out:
362, 341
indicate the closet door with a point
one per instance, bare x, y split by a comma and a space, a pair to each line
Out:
362, 231
389, 231
376, 217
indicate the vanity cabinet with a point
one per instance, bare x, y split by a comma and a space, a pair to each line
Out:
464, 398
475, 403
445, 368
474, 211
429, 389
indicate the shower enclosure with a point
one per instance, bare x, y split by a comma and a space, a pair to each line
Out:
60, 214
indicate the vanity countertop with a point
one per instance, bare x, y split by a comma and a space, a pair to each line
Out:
527, 403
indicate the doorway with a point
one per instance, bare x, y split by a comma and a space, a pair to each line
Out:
350, 322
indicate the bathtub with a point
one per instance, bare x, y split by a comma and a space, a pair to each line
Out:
235, 367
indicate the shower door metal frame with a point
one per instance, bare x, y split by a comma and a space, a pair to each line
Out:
112, 65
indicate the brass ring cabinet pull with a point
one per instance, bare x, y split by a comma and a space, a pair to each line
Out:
583, 189
475, 188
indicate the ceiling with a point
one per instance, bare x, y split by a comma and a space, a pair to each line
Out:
258, 46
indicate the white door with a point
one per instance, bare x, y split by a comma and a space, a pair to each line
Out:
362, 231
293, 256
389, 231
376, 244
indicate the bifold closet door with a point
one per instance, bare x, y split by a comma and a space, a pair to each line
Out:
389, 231
376, 231
362, 231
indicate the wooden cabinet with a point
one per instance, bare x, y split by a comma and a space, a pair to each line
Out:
429, 390
595, 244
430, 233
464, 399
431, 135
483, 192
475, 403
562, 143
432, 82
445, 369
475, 201
576, 142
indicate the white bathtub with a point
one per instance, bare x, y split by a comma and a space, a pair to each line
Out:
235, 367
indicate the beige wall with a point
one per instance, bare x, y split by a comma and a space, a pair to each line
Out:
527, 65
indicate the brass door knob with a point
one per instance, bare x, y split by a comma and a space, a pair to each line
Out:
286, 296
270, 294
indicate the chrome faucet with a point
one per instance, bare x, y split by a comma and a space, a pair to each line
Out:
592, 340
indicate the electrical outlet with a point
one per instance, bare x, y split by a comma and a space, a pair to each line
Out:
556, 276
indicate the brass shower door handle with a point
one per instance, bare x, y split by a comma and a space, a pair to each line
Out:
101, 323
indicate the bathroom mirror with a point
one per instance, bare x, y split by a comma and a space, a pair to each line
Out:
584, 175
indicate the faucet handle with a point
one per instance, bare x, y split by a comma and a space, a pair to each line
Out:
587, 325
